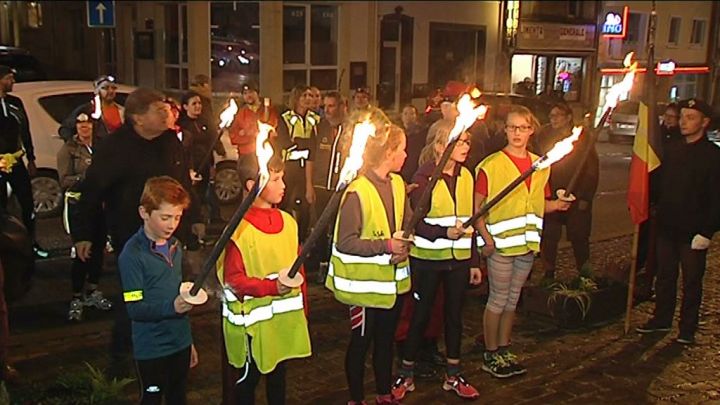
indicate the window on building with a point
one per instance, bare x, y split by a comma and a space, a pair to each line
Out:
557, 10
698, 32
686, 86
634, 29
34, 14
674, 32
310, 46
234, 44
176, 70
568, 77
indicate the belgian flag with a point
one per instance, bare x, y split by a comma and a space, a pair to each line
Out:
645, 159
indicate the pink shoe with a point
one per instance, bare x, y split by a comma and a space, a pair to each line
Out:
461, 387
401, 387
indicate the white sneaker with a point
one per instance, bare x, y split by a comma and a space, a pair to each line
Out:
96, 299
76, 310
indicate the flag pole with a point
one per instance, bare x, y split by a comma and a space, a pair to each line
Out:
651, 128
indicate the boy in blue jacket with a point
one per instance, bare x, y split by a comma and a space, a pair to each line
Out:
151, 273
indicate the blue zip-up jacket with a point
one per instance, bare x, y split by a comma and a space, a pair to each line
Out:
150, 284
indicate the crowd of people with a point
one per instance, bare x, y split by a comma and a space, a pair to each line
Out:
138, 181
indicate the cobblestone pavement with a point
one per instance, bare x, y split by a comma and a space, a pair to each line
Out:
596, 364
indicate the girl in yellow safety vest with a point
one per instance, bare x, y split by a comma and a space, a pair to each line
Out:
510, 234
443, 253
368, 267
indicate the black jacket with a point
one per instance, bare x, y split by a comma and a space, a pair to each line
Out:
689, 190
121, 164
198, 138
14, 127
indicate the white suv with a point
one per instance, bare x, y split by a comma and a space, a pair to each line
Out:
47, 104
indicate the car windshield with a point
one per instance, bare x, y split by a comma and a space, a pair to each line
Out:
59, 106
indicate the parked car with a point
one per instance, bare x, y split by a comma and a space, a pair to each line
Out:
47, 103
27, 67
623, 122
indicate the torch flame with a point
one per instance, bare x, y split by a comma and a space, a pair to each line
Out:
467, 114
353, 163
264, 152
228, 115
561, 148
617, 90
97, 113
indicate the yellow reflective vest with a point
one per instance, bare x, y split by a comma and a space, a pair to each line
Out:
277, 324
370, 281
301, 130
515, 223
446, 211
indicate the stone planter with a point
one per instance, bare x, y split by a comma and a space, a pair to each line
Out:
600, 306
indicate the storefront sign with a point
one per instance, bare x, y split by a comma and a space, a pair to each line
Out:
615, 25
665, 68
533, 36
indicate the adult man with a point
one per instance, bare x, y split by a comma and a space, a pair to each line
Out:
687, 218
361, 99
670, 128
329, 159
578, 219
15, 139
122, 162
244, 128
112, 113
297, 141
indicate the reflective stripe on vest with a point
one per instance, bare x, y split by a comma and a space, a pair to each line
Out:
447, 210
516, 222
370, 281
264, 313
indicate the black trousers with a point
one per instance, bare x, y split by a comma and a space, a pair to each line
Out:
294, 201
673, 254
454, 282
164, 377
121, 340
274, 386
578, 223
378, 327
19, 180
91, 269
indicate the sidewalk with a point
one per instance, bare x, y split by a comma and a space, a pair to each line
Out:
593, 365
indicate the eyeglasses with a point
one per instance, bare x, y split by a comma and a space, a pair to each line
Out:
519, 128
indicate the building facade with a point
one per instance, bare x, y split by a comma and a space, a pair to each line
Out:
682, 42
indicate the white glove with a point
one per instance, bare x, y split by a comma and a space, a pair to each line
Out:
700, 242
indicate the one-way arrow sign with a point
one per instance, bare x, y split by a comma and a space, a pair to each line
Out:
101, 14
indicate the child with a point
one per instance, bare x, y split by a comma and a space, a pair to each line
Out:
264, 322
512, 235
368, 268
151, 273
443, 253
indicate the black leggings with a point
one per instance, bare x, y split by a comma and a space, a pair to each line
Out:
274, 385
19, 180
164, 377
378, 327
90, 270
455, 282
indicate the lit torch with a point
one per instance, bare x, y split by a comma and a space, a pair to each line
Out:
227, 116
611, 100
560, 150
192, 292
468, 113
97, 112
352, 165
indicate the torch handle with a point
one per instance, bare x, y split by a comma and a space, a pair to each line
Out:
219, 246
208, 155
320, 226
424, 201
589, 144
488, 205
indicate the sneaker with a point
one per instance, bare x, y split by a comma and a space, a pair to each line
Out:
685, 338
76, 310
496, 366
40, 253
461, 387
401, 387
96, 299
386, 400
515, 367
652, 326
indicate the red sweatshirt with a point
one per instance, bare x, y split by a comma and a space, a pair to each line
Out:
267, 220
